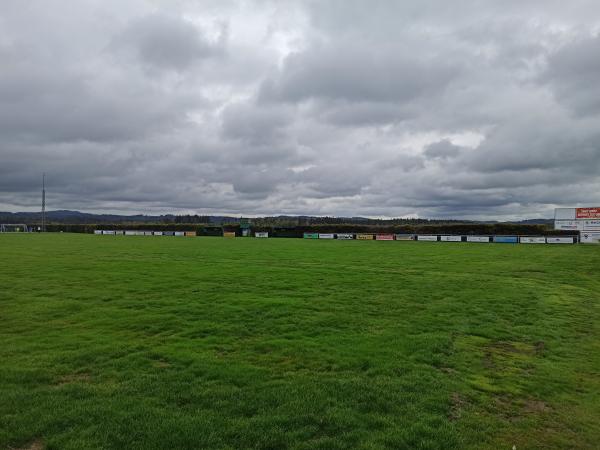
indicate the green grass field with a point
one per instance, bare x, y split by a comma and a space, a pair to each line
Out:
165, 343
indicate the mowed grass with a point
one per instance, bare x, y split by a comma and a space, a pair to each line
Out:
165, 343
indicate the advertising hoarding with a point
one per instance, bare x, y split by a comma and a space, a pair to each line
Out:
405, 237
565, 214
591, 225
587, 213
478, 239
364, 237
560, 240
532, 240
326, 236
311, 235
506, 239
384, 237
229, 234
345, 236
261, 234
590, 238
451, 238
423, 237
573, 225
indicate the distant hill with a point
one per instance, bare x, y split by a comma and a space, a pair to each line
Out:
76, 217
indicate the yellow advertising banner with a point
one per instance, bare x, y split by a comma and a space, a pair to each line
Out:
365, 237
229, 234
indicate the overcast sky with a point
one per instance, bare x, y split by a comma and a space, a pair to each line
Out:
474, 109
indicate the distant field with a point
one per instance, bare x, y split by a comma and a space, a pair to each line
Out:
164, 342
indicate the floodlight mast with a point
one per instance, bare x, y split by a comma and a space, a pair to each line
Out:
43, 202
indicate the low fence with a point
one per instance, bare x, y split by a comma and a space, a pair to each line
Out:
499, 239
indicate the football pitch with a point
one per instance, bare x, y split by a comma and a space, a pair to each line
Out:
173, 342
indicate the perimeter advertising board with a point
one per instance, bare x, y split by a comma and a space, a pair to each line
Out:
590, 238
311, 235
559, 240
405, 237
451, 238
261, 234
158, 233
229, 234
364, 237
179, 233
345, 236
422, 237
384, 237
326, 236
478, 239
97, 231
506, 239
532, 240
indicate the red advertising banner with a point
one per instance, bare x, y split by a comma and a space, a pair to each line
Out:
384, 237
587, 213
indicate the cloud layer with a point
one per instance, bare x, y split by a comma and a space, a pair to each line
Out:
328, 108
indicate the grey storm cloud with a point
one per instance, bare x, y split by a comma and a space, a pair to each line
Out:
432, 109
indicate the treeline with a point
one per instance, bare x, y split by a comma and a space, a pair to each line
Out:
299, 230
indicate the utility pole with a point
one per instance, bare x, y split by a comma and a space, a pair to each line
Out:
43, 202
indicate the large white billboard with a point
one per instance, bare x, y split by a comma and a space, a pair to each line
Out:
565, 213
426, 238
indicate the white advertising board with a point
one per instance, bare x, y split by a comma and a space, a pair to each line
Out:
426, 238
326, 236
179, 233
451, 238
158, 233
261, 234
590, 238
565, 213
97, 231
478, 239
532, 240
573, 225
345, 236
591, 225
111, 232
404, 237
559, 240
130, 233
